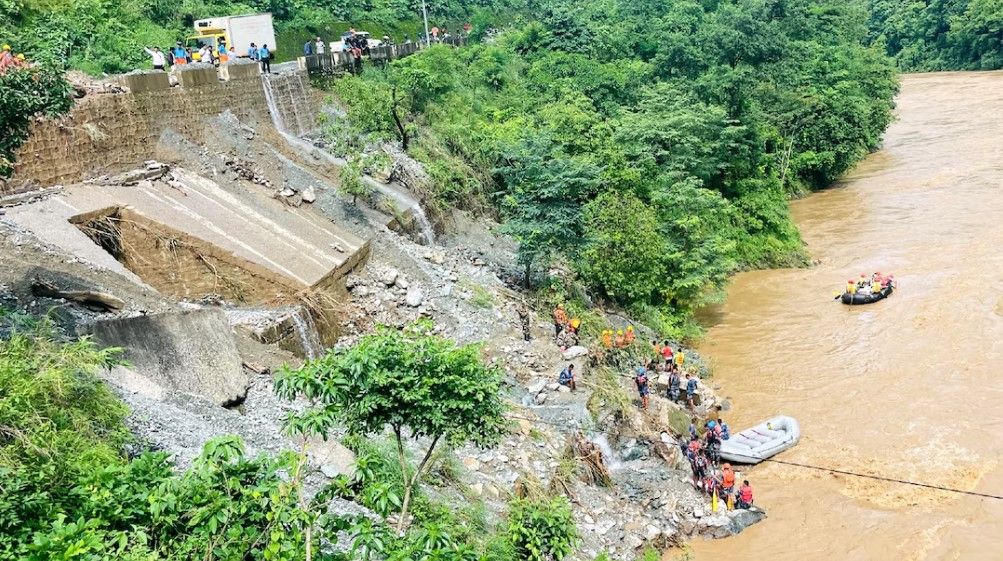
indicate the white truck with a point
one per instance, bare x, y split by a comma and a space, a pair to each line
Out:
238, 32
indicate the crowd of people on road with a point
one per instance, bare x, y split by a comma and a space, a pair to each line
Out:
206, 53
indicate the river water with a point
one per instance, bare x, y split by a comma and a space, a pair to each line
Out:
910, 387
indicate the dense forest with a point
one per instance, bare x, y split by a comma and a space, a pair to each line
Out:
925, 35
650, 146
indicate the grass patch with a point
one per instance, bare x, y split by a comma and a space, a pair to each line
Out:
607, 394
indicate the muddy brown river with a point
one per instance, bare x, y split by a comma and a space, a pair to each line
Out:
910, 387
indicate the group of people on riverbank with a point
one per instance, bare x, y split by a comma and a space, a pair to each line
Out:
703, 447
712, 477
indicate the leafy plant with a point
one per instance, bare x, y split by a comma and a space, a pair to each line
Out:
542, 530
416, 384
26, 93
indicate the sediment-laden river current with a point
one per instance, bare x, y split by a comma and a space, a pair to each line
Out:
908, 388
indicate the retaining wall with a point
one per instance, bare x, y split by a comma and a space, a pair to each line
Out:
110, 133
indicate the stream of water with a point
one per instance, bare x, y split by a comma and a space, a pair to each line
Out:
401, 198
906, 388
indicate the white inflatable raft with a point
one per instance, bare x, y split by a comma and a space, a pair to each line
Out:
766, 439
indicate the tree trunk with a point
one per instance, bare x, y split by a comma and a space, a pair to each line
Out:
401, 129
409, 484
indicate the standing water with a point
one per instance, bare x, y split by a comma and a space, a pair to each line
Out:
908, 388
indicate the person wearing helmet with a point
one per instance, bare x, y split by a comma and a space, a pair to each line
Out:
629, 336
560, 319
620, 341
6, 58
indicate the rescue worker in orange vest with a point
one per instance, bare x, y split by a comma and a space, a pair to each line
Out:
619, 339
744, 495
560, 319
607, 338
629, 336
851, 287
727, 481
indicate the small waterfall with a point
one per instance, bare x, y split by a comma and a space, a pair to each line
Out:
607, 451
398, 195
403, 199
273, 108
306, 330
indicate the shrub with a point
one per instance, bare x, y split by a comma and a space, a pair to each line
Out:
25, 93
542, 530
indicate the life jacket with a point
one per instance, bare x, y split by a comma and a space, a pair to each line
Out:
560, 317
727, 478
629, 337
607, 339
745, 492
680, 358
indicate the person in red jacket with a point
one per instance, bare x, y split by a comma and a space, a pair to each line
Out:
744, 495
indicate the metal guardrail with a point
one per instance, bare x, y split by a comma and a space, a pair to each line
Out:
343, 61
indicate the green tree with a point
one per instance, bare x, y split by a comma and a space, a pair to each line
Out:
544, 205
410, 381
622, 251
542, 529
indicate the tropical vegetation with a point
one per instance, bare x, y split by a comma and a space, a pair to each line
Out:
651, 147
927, 35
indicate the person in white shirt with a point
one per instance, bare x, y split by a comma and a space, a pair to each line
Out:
318, 47
205, 54
157, 57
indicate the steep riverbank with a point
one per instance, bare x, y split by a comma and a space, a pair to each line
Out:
905, 388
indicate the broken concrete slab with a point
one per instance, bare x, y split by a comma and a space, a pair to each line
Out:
191, 351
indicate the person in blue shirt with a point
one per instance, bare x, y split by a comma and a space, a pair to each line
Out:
179, 54
641, 380
221, 50
567, 377
252, 52
307, 48
265, 56
691, 389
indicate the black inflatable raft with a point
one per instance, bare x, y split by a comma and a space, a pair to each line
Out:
857, 299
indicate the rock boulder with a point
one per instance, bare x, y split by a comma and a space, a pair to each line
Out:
190, 351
